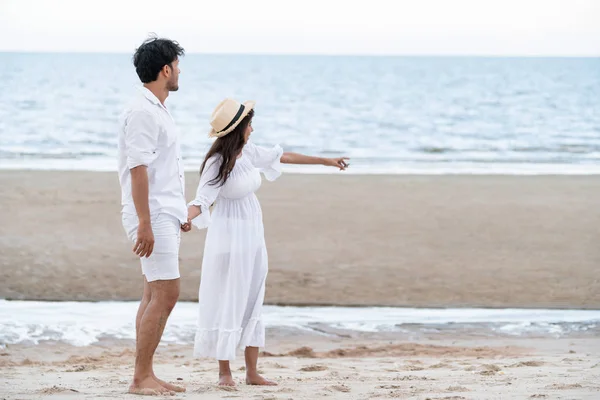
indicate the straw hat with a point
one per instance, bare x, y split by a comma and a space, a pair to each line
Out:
228, 114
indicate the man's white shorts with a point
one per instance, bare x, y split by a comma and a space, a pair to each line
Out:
163, 263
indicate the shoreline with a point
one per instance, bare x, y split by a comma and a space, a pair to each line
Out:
518, 170
88, 323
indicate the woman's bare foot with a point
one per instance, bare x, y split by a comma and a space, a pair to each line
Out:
256, 379
170, 386
226, 380
149, 387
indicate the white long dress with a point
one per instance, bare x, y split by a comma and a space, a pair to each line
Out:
235, 263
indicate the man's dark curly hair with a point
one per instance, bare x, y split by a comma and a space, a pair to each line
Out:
153, 55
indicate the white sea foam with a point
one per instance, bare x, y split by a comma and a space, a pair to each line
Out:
83, 323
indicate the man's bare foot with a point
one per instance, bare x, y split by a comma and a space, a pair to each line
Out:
170, 386
149, 387
226, 380
256, 379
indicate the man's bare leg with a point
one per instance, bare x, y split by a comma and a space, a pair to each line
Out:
169, 386
163, 296
143, 304
225, 378
252, 376
142, 308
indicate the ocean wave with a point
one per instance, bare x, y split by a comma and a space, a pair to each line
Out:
81, 323
501, 152
65, 155
432, 111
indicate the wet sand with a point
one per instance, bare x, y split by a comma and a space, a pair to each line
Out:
428, 241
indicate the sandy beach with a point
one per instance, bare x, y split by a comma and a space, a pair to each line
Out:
337, 368
434, 241
423, 241
457, 258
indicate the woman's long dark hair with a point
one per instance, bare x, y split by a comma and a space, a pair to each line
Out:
229, 148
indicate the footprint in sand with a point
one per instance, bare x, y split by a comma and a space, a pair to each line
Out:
81, 368
489, 369
313, 368
227, 388
56, 389
276, 365
413, 378
302, 352
440, 365
203, 389
286, 390
413, 368
389, 387
569, 360
527, 364
457, 389
558, 386
339, 388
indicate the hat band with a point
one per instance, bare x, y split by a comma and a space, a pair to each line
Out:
235, 119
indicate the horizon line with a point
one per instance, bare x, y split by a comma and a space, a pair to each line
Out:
408, 55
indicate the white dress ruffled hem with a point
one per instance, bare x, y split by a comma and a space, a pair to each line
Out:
223, 344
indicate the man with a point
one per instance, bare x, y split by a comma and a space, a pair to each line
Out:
154, 209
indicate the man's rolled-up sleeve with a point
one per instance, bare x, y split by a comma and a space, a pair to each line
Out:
141, 139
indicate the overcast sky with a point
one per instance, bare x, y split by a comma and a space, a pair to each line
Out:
413, 27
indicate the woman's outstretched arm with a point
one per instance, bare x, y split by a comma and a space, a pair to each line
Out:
297, 158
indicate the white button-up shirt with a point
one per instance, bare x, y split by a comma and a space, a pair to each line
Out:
148, 136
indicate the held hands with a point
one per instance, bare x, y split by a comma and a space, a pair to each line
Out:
186, 227
339, 162
193, 212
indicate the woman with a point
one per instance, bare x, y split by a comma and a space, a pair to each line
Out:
234, 267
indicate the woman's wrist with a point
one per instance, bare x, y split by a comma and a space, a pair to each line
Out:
194, 211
